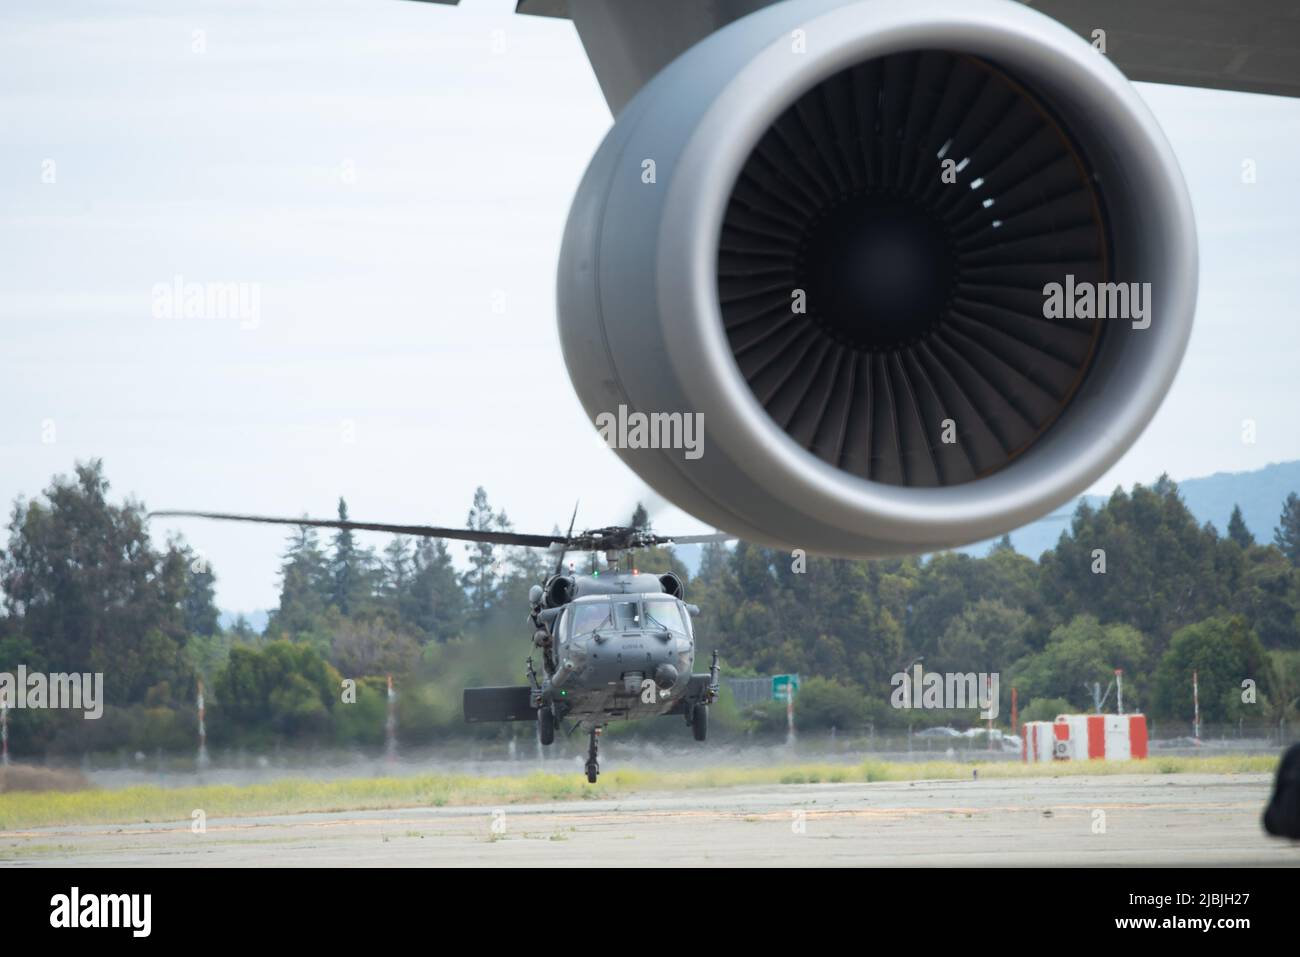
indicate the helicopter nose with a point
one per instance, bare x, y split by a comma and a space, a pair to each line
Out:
665, 675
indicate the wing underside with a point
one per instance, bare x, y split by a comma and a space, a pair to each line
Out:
1250, 46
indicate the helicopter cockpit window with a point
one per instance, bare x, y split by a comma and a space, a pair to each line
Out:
588, 616
666, 613
627, 614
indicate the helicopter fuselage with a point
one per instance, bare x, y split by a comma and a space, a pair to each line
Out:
614, 647
621, 647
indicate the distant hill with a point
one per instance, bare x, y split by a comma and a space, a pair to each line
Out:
256, 619
1259, 493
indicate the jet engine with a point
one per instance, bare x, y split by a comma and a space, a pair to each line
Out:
920, 271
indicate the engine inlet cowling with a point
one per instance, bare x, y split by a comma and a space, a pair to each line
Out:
831, 229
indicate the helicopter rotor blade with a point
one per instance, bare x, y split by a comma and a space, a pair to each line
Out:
696, 539
418, 531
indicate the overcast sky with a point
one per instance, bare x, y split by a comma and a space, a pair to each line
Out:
393, 178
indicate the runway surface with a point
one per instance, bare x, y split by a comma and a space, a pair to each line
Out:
1170, 820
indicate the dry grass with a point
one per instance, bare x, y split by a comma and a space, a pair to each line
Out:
22, 777
150, 804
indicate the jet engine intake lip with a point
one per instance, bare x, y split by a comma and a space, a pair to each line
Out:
1134, 161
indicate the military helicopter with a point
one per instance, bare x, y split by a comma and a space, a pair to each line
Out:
614, 646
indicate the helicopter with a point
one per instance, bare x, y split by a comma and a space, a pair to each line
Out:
613, 646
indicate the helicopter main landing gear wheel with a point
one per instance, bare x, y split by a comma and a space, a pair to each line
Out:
593, 747
546, 725
700, 722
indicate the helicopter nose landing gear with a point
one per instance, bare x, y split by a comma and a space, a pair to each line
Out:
593, 767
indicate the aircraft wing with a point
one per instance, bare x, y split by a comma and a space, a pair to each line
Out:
1252, 46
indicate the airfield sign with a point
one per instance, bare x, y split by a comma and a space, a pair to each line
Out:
784, 687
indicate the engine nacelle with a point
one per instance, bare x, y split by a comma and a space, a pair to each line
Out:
559, 591
672, 585
871, 245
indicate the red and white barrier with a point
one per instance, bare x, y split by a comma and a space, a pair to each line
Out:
1080, 737
1036, 741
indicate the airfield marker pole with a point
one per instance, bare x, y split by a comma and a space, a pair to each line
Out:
4, 735
1014, 711
390, 726
1119, 690
1196, 709
789, 712
203, 731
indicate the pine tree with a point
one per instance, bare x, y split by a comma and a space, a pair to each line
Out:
351, 570
395, 574
640, 517
714, 559
526, 567
482, 579
1003, 544
1237, 530
1287, 534
199, 604
435, 602
304, 585
241, 632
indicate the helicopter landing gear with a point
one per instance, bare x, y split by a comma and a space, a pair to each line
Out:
546, 725
593, 766
700, 722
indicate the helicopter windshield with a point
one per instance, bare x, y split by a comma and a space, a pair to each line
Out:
664, 612
588, 616
627, 614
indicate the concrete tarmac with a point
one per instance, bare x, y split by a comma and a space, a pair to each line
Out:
1155, 820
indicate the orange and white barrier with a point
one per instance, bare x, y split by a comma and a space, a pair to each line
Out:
1079, 737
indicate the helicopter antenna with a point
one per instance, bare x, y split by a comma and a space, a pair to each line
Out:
559, 562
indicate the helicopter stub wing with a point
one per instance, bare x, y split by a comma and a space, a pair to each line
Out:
513, 703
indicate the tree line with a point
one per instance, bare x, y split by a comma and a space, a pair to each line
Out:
1136, 583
